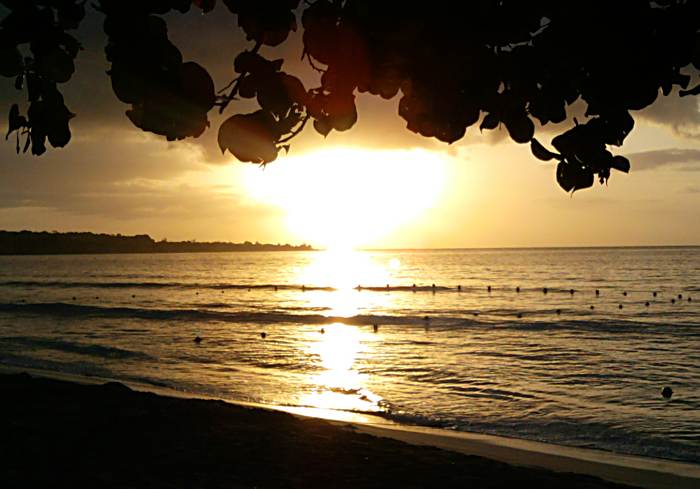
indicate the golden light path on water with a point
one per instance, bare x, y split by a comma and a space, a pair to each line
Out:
341, 386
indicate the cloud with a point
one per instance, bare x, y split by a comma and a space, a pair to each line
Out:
677, 158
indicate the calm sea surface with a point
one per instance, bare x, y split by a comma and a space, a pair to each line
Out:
570, 368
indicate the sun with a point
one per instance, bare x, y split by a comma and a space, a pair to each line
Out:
349, 197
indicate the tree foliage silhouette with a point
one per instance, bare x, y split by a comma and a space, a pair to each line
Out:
454, 65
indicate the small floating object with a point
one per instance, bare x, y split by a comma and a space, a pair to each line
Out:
488, 289
196, 293
97, 297
517, 290
459, 288
133, 296
222, 291
263, 335
476, 314
520, 315
76, 299
558, 311
620, 306
646, 303
625, 293
248, 289
690, 299
323, 331
680, 296
572, 291
197, 339
597, 292
375, 328
673, 301
433, 286
654, 293
667, 392
544, 290
426, 318
592, 307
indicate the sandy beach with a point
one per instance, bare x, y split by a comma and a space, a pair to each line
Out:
66, 434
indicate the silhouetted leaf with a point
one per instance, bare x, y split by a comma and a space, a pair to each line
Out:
249, 137
490, 122
541, 152
15, 121
521, 129
620, 163
572, 177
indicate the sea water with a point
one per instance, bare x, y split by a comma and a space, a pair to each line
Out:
460, 339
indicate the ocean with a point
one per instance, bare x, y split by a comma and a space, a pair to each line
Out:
458, 339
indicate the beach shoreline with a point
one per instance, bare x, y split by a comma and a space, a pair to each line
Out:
519, 454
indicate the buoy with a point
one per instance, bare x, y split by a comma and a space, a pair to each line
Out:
197, 339
97, 297
597, 292
476, 314
375, 328
654, 293
571, 292
133, 296
488, 289
625, 293
426, 318
558, 311
433, 286
646, 303
680, 296
459, 288
520, 315
592, 307
76, 299
690, 299
323, 331
667, 392
263, 335
544, 290
673, 301
620, 306
517, 290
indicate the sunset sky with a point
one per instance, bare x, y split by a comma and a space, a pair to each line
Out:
377, 185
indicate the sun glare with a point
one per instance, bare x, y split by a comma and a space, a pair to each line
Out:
349, 197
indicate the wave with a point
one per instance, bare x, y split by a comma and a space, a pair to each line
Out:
95, 350
443, 322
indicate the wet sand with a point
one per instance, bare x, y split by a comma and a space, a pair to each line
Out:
65, 434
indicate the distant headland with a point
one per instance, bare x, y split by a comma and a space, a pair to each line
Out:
55, 243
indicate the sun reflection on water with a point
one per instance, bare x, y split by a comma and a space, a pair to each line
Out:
344, 270
340, 385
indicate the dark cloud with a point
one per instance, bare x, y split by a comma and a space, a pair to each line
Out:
677, 158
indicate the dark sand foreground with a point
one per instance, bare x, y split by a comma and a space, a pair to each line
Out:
62, 434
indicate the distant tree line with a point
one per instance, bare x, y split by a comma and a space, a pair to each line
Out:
54, 243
